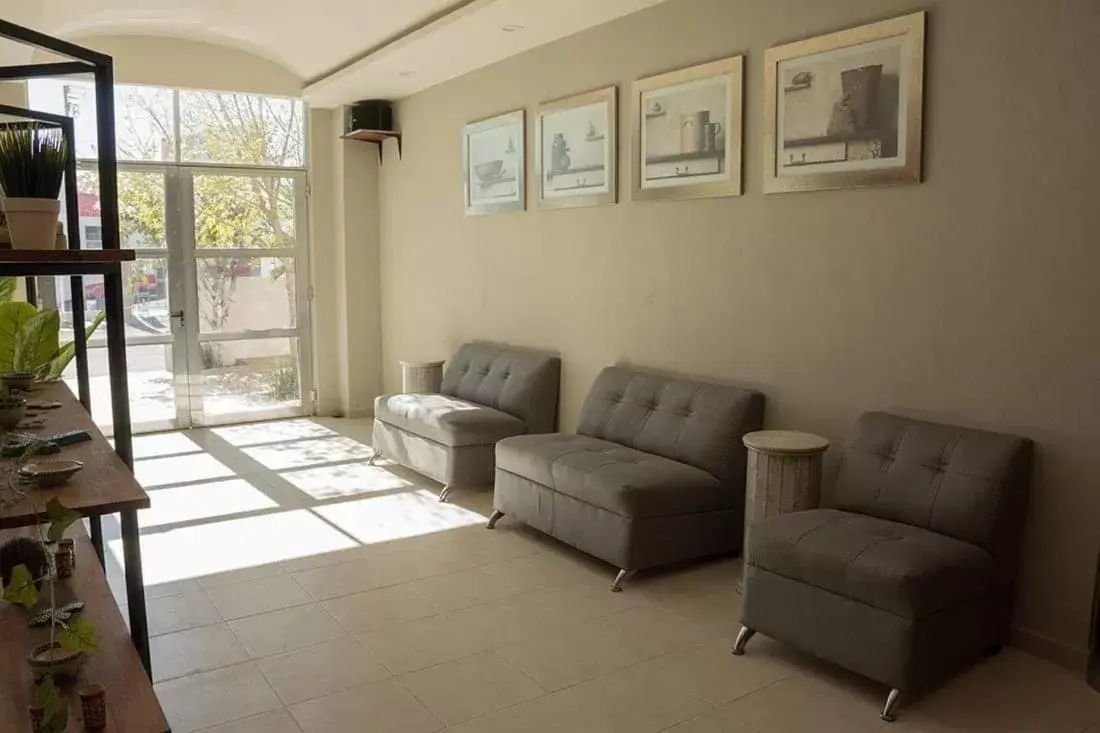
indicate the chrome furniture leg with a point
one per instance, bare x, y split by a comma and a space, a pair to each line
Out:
743, 637
891, 703
497, 514
622, 577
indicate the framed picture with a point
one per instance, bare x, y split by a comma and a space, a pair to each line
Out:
687, 132
576, 150
494, 154
845, 110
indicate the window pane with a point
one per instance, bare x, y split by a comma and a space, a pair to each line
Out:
140, 209
144, 293
239, 377
144, 121
222, 127
150, 381
246, 293
244, 211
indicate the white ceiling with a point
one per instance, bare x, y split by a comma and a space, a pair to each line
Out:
343, 50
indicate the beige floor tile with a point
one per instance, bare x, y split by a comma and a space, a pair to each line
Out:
325, 559
257, 596
277, 721
418, 644
179, 613
563, 658
532, 572
376, 609
381, 707
642, 698
466, 588
320, 670
1031, 696
800, 703
238, 576
196, 650
712, 673
335, 581
285, 630
166, 590
470, 687
212, 698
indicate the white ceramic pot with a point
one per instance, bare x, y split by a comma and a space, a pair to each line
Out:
32, 222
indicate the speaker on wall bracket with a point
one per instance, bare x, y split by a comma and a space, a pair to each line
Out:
371, 120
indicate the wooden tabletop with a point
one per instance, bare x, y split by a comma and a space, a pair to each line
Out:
785, 441
132, 705
104, 486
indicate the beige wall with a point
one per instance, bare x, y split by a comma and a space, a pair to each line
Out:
971, 298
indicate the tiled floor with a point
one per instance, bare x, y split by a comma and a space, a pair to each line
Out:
295, 589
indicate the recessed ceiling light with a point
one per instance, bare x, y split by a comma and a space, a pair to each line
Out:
512, 28
406, 72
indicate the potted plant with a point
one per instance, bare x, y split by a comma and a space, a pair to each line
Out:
30, 582
32, 164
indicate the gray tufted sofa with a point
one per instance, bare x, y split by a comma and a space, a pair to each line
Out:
488, 393
655, 474
908, 573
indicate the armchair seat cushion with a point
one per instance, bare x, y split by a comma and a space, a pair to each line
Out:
447, 420
905, 570
610, 476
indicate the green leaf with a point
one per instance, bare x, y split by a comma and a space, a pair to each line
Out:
36, 342
61, 518
79, 637
7, 289
55, 718
21, 590
56, 366
13, 315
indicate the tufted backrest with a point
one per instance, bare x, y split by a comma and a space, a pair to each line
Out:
521, 383
696, 423
968, 484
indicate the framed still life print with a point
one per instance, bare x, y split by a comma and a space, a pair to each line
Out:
687, 132
845, 110
494, 169
576, 157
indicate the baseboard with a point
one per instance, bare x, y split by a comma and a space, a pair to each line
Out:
1074, 659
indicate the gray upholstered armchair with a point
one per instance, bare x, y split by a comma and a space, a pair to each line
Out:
909, 573
488, 393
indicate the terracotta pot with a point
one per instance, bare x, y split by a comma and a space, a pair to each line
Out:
32, 222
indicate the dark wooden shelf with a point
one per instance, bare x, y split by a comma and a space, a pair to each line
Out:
687, 157
859, 136
377, 137
131, 702
104, 486
65, 256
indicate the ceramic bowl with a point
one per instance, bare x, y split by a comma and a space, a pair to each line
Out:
18, 381
54, 661
12, 412
50, 472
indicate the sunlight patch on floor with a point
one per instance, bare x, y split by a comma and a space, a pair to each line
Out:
161, 445
207, 500
218, 547
309, 453
273, 432
345, 479
154, 472
397, 516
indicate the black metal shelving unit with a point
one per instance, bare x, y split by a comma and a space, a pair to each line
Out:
100, 66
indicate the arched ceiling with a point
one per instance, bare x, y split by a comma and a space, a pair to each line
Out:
342, 49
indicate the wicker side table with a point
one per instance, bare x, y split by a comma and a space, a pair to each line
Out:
783, 475
421, 377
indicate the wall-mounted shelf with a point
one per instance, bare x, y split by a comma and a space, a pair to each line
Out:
687, 157
378, 137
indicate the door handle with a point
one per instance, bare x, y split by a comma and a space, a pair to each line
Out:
177, 316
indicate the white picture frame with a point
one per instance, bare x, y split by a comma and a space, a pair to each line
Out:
576, 150
688, 132
494, 164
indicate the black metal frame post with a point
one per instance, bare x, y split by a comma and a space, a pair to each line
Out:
85, 60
